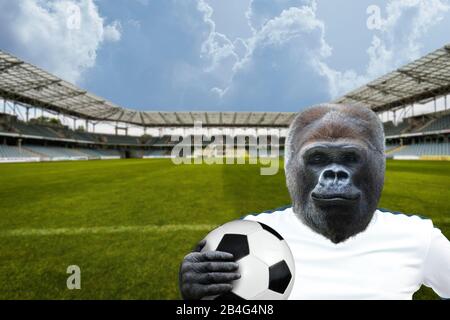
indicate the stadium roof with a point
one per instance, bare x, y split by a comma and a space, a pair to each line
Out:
24, 83
28, 84
421, 79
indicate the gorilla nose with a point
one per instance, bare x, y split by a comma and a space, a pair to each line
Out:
334, 175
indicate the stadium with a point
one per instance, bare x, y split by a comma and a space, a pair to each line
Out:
119, 218
27, 90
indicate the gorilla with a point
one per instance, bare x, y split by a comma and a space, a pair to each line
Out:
334, 165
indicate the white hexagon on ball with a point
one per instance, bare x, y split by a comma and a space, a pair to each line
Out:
252, 271
271, 252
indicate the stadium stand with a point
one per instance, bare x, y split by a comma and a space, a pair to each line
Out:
56, 152
438, 124
93, 144
12, 152
161, 146
34, 130
151, 141
107, 153
390, 129
424, 149
156, 153
64, 133
390, 147
91, 153
50, 153
166, 140
84, 136
99, 153
46, 138
121, 140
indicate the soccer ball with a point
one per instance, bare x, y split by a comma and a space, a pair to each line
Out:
265, 261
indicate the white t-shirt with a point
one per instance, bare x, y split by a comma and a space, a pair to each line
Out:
391, 259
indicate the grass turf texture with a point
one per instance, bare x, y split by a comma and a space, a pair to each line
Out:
104, 215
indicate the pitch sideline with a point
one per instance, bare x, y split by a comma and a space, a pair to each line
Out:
123, 229
106, 230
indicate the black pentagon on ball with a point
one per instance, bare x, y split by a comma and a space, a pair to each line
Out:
279, 277
269, 229
236, 244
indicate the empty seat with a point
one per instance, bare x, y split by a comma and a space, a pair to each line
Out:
15, 152
438, 124
424, 149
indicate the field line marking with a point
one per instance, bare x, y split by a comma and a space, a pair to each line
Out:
106, 230
123, 229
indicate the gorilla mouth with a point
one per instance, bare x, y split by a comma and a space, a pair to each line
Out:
333, 197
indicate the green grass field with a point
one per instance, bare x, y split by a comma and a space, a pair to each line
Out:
128, 223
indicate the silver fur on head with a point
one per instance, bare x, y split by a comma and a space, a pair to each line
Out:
380, 146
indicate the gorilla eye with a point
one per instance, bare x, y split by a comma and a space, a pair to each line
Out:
317, 158
350, 158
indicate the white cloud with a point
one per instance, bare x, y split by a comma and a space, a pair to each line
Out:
398, 41
217, 49
275, 64
218, 91
134, 23
290, 24
407, 22
288, 51
61, 36
113, 32
262, 11
281, 64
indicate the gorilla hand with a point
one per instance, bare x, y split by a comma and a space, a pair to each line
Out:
207, 273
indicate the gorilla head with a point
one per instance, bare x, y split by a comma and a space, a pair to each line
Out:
335, 168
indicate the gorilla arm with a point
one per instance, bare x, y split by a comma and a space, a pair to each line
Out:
437, 265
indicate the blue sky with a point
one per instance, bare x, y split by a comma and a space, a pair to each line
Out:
221, 55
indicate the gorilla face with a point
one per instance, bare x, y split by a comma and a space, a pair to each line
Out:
332, 168
338, 198
335, 170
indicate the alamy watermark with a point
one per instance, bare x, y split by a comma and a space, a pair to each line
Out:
74, 280
73, 21
226, 149
374, 20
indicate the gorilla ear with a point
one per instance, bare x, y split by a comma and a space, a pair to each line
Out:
287, 148
287, 145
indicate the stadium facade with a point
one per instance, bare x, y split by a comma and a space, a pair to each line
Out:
411, 100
